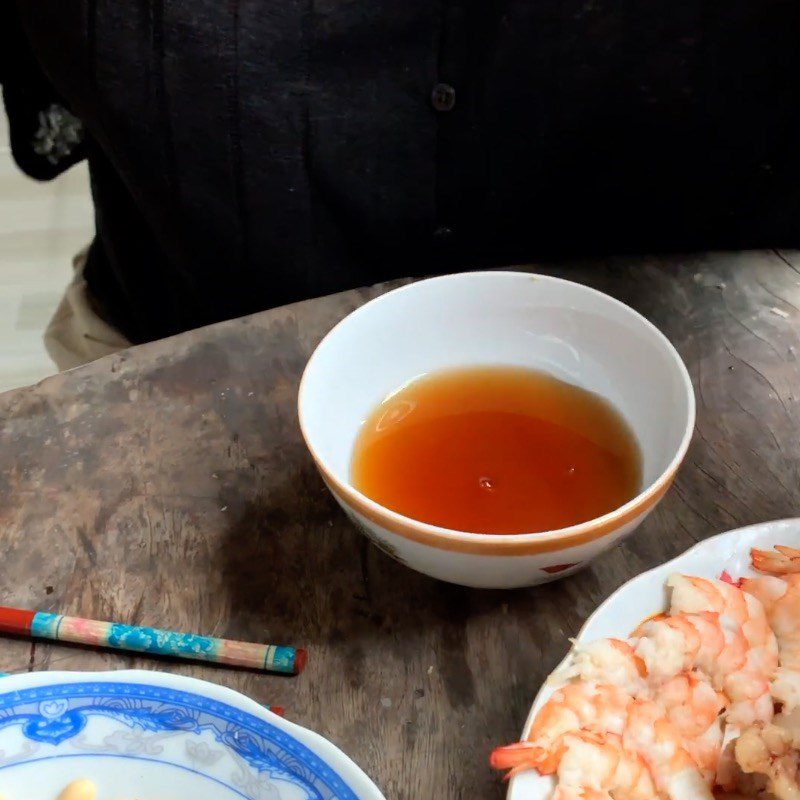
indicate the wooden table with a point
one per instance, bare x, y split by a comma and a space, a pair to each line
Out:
169, 485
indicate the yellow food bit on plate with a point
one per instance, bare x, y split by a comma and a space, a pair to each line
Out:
79, 790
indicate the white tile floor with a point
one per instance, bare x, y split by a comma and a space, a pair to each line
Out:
42, 225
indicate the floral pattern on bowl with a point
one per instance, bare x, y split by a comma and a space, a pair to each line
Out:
152, 735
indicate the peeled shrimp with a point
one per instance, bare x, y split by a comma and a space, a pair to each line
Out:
748, 687
654, 738
692, 706
718, 651
706, 751
691, 703
584, 761
577, 706
781, 600
606, 661
655, 669
636, 726
669, 645
589, 767
601, 764
691, 595
772, 750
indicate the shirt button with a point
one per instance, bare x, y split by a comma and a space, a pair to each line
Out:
443, 97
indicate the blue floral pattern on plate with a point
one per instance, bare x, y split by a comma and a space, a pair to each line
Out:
243, 752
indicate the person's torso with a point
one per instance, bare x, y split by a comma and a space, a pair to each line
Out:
249, 154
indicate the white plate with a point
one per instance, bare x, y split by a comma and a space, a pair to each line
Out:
156, 736
646, 594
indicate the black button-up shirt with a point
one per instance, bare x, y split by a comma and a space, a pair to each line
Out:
247, 154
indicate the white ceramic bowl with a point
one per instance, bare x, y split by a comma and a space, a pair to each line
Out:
154, 736
496, 318
646, 595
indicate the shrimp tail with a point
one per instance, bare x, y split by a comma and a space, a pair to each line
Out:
521, 757
782, 561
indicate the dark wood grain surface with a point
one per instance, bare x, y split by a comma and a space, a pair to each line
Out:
169, 485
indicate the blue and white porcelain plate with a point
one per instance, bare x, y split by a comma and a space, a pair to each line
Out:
154, 736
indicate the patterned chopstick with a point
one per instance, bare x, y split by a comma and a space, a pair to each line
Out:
271, 658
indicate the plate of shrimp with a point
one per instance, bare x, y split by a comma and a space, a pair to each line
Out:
683, 685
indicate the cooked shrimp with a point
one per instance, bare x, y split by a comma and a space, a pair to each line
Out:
669, 645
662, 748
785, 561
606, 661
706, 751
720, 652
749, 687
751, 698
691, 595
583, 761
772, 750
664, 667
600, 764
577, 706
728, 774
691, 703
781, 600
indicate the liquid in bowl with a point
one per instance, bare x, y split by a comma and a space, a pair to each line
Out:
501, 450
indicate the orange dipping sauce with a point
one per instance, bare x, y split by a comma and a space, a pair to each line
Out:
500, 450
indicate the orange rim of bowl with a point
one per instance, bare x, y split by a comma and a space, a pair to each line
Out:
514, 543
